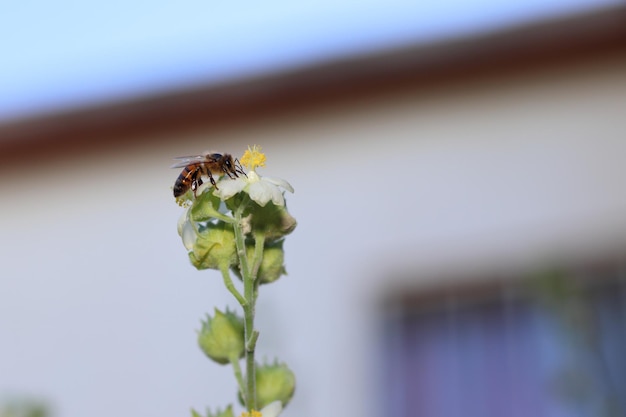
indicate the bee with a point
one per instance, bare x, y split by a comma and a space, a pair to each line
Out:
208, 165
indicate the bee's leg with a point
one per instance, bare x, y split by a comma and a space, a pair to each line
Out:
212, 180
228, 170
196, 181
196, 184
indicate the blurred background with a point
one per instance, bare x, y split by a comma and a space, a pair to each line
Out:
459, 170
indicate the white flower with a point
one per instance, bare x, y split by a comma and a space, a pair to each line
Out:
260, 189
272, 409
186, 230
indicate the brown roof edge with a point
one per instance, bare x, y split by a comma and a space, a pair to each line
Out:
551, 43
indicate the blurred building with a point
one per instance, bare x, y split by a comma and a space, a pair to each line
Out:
460, 247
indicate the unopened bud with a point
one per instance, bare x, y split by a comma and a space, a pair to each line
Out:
274, 382
273, 221
222, 337
214, 246
272, 266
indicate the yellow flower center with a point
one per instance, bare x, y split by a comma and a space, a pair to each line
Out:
253, 157
253, 413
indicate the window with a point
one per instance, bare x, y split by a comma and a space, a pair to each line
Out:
544, 347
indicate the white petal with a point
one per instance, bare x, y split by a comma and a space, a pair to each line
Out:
228, 187
277, 196
280, 182
189, 235
272, 409
181, 222
261, 192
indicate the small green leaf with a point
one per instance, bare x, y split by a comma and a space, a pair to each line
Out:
205, 207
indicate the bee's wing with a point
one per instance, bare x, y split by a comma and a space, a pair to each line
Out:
186, 160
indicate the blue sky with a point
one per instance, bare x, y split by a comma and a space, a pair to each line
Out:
67, 53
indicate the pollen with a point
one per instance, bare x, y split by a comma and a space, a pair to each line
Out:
183, 201
253, 157
252, 413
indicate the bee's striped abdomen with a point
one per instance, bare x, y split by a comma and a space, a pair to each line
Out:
184, 180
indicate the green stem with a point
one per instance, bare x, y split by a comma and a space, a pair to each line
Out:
230, 286
239, 377
250, 335
259, 244
240, 242
223, 217
252, 342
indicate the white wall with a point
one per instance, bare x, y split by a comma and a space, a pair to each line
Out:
99, 306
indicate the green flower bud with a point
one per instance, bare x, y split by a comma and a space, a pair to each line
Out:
274, 382
273, 221
272, 265
214, 246
222, 337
